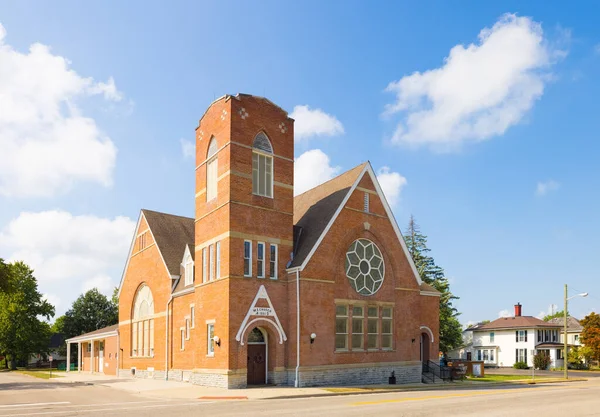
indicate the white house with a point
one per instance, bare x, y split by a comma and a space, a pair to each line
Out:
574, 329
507, 340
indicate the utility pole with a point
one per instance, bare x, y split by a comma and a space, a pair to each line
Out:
565, 355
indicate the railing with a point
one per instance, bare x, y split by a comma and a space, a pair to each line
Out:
431, 370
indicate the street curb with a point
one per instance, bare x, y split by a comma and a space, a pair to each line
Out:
447, 387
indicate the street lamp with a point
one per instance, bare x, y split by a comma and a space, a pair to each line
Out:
566, 355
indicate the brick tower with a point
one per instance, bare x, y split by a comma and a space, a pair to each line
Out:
243, 238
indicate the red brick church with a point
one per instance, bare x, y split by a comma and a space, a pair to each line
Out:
262, 287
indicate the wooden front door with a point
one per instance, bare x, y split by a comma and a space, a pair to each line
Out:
257, 361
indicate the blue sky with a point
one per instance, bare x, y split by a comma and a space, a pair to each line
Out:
493, 147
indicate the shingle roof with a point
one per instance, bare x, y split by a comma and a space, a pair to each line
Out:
314, 209
518, 322
172, 234
573, 324
426, 287
108, 329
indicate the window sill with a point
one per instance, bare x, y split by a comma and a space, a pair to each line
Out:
210, 355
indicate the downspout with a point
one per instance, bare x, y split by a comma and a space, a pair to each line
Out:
167, 339
297, 384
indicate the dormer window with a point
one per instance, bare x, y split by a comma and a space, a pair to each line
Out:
262, 166
211, 170
189, 270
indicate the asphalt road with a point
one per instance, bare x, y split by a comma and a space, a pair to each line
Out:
23, 396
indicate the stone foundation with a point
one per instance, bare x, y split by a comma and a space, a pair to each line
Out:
358, 374
354, 374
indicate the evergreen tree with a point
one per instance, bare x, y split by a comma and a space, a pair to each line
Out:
432, 274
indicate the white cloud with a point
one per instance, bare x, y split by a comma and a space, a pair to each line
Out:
69, 253
504, 313
479, 92
552, 308
544, 188
314, 122
47, 144
392, 184
311, 169
188, 148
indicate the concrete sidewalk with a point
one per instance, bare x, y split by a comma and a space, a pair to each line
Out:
184, 390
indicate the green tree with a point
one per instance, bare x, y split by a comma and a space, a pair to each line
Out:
91, 311
559, 314
432, 274
590, 335
22, 333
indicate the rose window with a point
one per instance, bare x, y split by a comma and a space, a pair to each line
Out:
364, 267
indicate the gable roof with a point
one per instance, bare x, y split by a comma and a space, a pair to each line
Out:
519, 322
106, 331
573, 324
314, 209
323, 204
171, 234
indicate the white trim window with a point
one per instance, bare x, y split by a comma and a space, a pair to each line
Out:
260, 260
142, 323
211, 171
211, 263
492, 336
247, 258
273, 261
204, 266
182, 330
341, 327
386, 328
262, 166
358, 335
187, 329
189, 271
210, 332
193, 316
372, 327
218, 267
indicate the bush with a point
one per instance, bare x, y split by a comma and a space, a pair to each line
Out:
541, 361
520, 365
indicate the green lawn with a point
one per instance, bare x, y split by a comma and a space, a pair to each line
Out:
39, 373
501, 378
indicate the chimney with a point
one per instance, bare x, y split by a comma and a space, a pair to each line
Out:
518, 310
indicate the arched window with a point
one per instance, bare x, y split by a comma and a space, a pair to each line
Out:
188, 264
142, 323
211, 170
262, 166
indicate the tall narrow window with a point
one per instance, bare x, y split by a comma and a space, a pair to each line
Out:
204, 266
366, 203
372, 328
211, 263
211, 170
187, 329
341, 327
357, 328
218, 271
260, 260
142, 241
491, 337
210, 331
386, 328
262, 166
247, 258
189, 271
146, 338
182, 330
193, 316
134, 338
152, 337
273, 262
